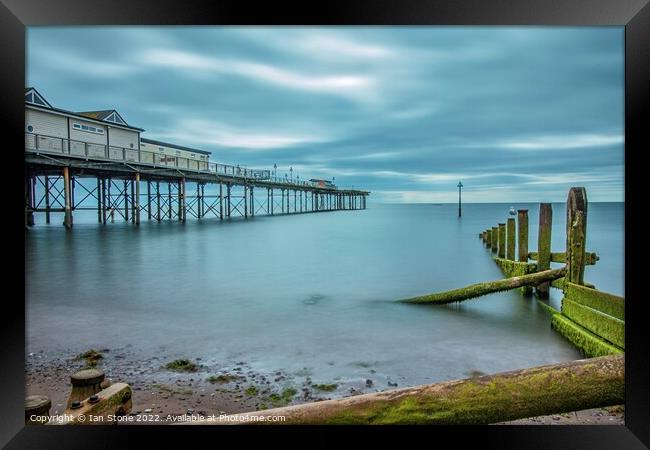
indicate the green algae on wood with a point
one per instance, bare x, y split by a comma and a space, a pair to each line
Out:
515, 269
544, 244
576, 234
181, 365
551, 389
610, 304
488, 287
522, 235
588, 343
501, 251
602, 325
560, 257
510, 240
494, 239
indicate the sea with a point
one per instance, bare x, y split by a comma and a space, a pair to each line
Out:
306, 293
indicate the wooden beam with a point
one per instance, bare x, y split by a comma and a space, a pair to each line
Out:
488, 287
543, 390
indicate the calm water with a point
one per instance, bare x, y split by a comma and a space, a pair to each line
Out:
308, 291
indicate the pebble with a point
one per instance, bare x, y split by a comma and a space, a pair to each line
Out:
148, 410
368, 382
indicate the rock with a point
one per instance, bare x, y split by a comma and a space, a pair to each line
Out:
556, 417
148, 411
368, 383
390, 383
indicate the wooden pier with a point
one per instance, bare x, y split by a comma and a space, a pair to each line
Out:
134, 190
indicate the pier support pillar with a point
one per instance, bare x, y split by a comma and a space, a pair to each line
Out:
271, 198
136, 199
133, 200
245, 201
102, 199
67, 218
228, 204
158, 213
47, 199
126, 201
99, 200
148, 200
544, 245
220, 201
510, 246
252, 190
181, 200
29, 201
501, 252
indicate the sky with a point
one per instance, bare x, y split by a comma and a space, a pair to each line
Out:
518, 114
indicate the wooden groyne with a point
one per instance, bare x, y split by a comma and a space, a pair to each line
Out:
552, 389
592, 320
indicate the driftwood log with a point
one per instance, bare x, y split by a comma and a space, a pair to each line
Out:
488, 287
551, 389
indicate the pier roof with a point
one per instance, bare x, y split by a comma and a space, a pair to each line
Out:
169, 144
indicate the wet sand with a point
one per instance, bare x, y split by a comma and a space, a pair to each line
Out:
159, 392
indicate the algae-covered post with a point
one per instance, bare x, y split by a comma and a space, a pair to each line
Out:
510, 247
576, 235
494, 239
522, 235
502, 241
544, 245
488, 238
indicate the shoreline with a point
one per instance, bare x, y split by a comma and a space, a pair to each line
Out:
159, 392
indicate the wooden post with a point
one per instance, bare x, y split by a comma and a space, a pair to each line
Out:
487, 235
67, 219
37, 409
544, 245
494, 239
522, 235
576, 235
109, 198
501, 252
510, 246
271, 198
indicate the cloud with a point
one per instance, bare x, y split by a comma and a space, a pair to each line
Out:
208, 133
347, 85
563, 142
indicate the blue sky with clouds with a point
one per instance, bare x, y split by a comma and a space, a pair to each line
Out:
518, 114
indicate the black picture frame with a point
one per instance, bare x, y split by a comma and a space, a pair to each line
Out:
15, 15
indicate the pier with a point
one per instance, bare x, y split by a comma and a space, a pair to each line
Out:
95, 160
127, 190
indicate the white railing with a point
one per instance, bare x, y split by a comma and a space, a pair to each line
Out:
87, 150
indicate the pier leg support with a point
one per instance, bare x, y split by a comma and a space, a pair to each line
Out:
136, 199
67, 218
